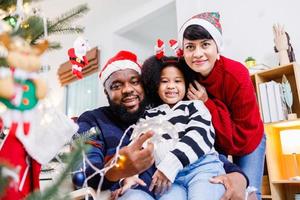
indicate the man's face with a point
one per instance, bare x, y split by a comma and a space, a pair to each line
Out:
123, 88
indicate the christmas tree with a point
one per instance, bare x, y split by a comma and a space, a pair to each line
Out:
28, 24
23, 28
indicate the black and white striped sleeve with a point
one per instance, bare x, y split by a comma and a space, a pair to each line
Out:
196, 141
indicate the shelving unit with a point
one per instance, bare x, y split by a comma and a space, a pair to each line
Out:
280, 167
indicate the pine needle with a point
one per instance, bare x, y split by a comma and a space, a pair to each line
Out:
63, 22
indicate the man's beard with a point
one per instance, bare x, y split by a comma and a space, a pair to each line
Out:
125, 116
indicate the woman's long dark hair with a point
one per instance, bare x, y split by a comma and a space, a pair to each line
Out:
151, 71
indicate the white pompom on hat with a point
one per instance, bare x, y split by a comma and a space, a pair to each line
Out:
122, 60
209, 21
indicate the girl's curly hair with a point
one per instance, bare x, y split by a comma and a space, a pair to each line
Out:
151, 70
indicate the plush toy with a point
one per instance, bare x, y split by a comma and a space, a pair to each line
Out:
20, 91
77, 56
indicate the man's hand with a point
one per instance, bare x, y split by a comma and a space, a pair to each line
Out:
235, 185
160, 183
137, 159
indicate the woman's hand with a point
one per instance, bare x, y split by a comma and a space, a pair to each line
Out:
197, 92
160, 183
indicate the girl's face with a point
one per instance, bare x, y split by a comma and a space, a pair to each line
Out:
172, 85
200, 55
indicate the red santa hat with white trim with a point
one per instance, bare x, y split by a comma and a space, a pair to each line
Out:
122, 60
209, 21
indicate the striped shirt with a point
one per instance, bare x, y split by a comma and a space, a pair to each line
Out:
196, 134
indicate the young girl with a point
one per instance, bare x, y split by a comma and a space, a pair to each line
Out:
193, 160
226, 89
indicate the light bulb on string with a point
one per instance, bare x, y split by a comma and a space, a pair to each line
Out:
25, 25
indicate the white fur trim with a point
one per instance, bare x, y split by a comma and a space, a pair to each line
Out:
214, 32
118, 65
175, 46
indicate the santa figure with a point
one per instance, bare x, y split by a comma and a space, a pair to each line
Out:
77, 56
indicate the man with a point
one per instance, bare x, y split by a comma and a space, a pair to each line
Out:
121, 80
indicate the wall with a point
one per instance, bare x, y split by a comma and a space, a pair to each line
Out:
247, 25
100, 23
129, 24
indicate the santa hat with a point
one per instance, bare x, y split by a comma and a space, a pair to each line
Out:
209, 21
122, 60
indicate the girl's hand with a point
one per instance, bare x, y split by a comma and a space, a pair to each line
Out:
128, 183
160, 183
197, 93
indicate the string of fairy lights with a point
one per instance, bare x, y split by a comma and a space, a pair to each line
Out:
117, 161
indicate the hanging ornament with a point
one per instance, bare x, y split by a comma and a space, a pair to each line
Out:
20, 90
77, 56
78, 179
11, 20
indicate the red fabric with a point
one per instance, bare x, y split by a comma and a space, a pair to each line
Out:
72, 56
77, 73
233, 105
13, 152
26, 127
121, 55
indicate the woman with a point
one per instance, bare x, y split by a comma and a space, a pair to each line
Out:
225, 87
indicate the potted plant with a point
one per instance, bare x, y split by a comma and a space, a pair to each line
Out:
250, 62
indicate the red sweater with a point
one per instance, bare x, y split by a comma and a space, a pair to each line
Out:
233, 106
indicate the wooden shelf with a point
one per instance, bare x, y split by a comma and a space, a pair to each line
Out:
266, 196
285, 182
280, 167
285, 123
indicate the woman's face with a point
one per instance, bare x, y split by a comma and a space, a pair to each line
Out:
172, 85
200, 55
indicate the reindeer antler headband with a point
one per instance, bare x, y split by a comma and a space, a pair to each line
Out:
159, 48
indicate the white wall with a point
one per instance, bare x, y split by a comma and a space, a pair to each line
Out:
100, 23
126, 24
247, 25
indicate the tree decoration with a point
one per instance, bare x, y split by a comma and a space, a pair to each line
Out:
8, 176
32, 26
77, 56
21, 88
11, 20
